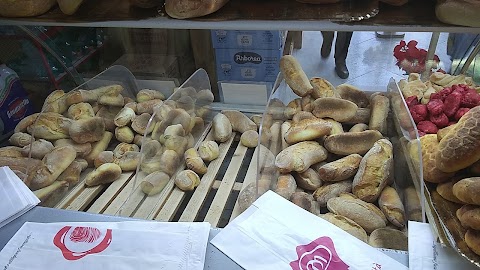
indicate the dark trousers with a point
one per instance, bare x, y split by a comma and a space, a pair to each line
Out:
341, 44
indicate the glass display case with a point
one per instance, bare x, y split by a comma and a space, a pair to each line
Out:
235, 54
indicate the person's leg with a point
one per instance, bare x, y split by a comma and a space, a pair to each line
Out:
327, 43
341, 50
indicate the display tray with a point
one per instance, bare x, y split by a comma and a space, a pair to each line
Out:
214, 200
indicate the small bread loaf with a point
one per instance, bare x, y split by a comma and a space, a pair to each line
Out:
294, 76
340, 110
347, 225
353, 94
12, 151
322, 88
108, 114
337, 127
80, 111
392, 206
83, 149
430, 148
72, 173
305, 201
467, 190
308, 180
469, 216
124, 117
301, 115
379, 112
106, 173
300, 156
283, 132
148, 94
20, 139
363, 213
352, 142
183, 9
154, 183
361, 116
358, 127
53, 164
240, 122
249, 138
285, 186
104, 157
307, 129
341, 169
446, 191
37, 149
374, 172
194, 162
124, 134
148, 106
459, 148
87, 130
50, 126
328, 191
472, 238
208, 150
141, 124
187, 180
222, 128
388, 238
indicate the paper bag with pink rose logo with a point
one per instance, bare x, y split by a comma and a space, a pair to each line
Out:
106, 245
274, 233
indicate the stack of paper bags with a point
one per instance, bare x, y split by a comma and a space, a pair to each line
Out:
131, 245
15, 197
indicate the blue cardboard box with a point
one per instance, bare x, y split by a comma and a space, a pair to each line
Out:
247, 65
261, 40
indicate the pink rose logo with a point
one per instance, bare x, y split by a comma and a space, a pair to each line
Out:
318, 255
77, 242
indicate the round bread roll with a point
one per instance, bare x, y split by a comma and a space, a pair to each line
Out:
467, 190
459, 148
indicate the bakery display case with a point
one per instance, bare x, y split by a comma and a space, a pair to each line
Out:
191, 116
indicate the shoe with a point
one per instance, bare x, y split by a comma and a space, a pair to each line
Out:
342, 71
326, 45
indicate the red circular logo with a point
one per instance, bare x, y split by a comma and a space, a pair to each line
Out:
77, 242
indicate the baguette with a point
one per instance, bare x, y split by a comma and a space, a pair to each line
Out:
294, 76
374, 172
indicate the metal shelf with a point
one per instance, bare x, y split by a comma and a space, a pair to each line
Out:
416, 16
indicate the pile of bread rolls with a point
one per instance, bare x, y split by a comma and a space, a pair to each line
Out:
451, 160
328, 154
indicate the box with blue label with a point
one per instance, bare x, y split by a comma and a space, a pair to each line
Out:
264, 40
247, 65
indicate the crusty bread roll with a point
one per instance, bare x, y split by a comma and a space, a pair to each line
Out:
53, 164
147, 106
99, 147
459, 12
69, 7
306, 130
25, 8
187, 180
347, 225
374, 172
285, 186
12, 151
472, 238
446, 191
240, 122
358, 127
380, 106
80, 110
20, 139
340, 110
459, 148
467, 190
87, 130
353, 94
82, 149
55, 102
308, 180
124, 117
154, 183
294, 76
340, 169
363, 213
305, 201
37, 149
104, 174
328, 191
388, 238
430, 148
392, 206
300, 156
413, 208
361, 116
50, 126
108, 114
322, 88
183, 9
141, 124
352, 142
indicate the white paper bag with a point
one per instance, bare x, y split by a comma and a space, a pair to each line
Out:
274, 233
119, 246
428, 254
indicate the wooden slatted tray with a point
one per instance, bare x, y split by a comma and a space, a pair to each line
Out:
214, 200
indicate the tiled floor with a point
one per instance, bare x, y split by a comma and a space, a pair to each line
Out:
370, 59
